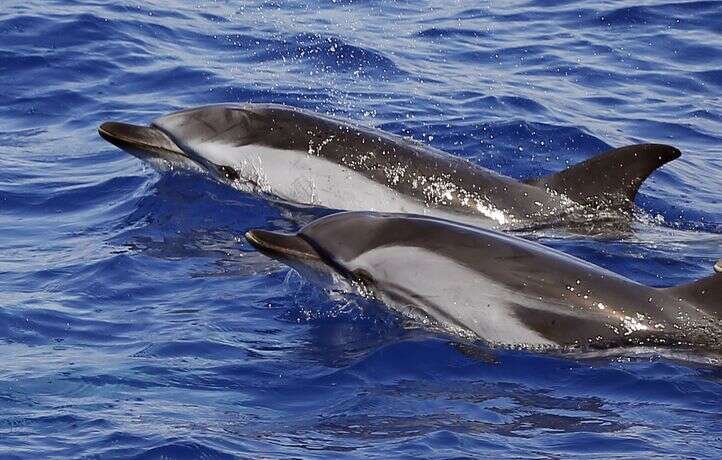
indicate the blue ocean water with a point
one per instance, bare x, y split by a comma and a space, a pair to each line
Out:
136, 322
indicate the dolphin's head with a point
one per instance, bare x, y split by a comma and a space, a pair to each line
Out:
341, 243
298, 252
147, 143
196, 139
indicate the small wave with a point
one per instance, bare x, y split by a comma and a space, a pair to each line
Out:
181, 449
452, 33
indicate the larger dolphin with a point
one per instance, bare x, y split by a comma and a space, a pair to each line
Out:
495, 286
302, 157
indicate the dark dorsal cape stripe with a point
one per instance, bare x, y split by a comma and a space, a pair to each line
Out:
612, 178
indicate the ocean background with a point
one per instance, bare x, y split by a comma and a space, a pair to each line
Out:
136, 322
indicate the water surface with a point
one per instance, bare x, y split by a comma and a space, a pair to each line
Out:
136, 322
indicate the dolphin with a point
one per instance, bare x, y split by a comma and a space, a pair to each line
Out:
481, 284
300, 157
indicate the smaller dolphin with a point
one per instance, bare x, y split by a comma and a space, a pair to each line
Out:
497, 287
301, 157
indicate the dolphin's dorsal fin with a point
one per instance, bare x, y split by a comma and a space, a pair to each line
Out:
611, 178
705, 293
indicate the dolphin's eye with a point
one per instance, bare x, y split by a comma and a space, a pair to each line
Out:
363, 277
229, 173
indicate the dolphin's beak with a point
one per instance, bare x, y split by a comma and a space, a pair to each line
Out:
282, 245
141, 141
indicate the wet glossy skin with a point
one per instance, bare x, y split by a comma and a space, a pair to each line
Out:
500, 288
303, 157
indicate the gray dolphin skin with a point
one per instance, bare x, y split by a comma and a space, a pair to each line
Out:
298, 156
502, 289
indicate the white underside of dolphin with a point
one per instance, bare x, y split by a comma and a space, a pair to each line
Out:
474, 302
312, 180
